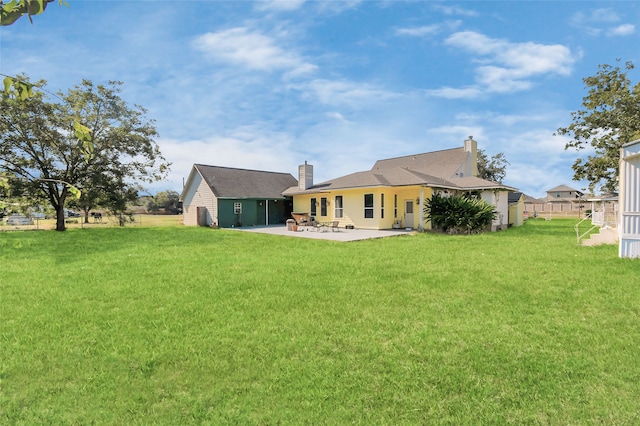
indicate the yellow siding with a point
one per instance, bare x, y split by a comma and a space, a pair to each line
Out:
353, 206
516, 213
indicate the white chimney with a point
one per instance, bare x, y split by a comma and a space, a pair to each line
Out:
305, 176
471, 146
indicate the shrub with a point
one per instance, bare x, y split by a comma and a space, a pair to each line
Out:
459, 213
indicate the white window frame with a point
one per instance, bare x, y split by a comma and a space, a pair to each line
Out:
369, 209
338, 207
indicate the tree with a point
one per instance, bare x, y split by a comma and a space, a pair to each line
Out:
610, 118
494, 168
12, 10
45, 156
164, 200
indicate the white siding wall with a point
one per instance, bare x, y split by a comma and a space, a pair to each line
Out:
199, 194
629, 229
500, 199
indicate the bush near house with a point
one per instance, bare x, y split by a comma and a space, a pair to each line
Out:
459, 213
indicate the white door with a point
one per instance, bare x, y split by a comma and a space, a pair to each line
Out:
408, 213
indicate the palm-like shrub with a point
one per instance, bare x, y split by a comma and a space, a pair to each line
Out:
459, 213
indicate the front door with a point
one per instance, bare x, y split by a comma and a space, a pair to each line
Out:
408, 213
202, 216
261, 212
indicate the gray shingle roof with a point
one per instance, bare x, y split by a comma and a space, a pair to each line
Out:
563, 188
227, 182
436, 169
443, 163
514, 197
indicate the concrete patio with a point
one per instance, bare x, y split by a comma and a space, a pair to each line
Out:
341, 234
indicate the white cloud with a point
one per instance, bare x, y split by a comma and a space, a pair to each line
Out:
241, 46
506, 66
279, 5
500, 80
622, 30
501, 120
427, 30
455, 10
337, 6
538, 160
469, 92
332, 92
243, 148
459, 132
419, 31
603, 15
600, 21
337, 116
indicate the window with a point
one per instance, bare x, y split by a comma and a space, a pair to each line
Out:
408, 207
557, 195
368, 206
314, 202
237, 208
323, 206
395, 206
338, 207
381, 206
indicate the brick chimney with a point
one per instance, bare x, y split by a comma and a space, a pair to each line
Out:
471, 146
305, 176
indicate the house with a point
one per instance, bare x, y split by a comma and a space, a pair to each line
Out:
629, 226
533, 206
393, 192
564, 198
516, 208
228, 197
563, 194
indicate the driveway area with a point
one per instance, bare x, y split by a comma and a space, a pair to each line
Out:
338, 235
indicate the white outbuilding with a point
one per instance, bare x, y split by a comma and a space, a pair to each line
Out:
629, 228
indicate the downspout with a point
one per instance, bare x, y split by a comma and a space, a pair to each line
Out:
421, 224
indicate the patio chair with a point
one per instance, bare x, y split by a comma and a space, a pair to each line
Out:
302, 219
334, 226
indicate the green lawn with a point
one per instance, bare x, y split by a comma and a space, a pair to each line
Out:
184, 325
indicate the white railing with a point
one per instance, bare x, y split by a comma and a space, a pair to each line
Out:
597, 218
580, 236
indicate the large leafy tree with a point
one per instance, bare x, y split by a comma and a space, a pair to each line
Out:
494, 168
12, 10
165, 200
609, 118
47, 156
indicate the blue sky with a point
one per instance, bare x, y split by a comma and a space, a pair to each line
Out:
267, 85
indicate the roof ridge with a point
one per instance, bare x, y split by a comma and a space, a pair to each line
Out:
241, 169
421, 153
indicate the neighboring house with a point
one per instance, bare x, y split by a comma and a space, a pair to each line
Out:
228, 197
563, 198
392, 193
533, 206
516, 208
629, 226
563, 194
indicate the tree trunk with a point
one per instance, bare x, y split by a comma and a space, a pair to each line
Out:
60, 226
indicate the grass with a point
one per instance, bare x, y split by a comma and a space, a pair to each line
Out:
144, 220
182, 325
